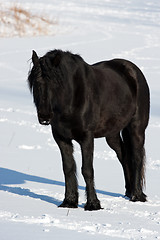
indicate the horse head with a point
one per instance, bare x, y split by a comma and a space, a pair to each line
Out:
40, 87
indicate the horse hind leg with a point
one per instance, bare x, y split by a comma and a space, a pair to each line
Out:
116, 143
137, 137
127, 161
130, 152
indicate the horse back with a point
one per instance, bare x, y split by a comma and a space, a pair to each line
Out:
124, 74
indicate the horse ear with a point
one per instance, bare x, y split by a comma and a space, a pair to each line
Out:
35, 58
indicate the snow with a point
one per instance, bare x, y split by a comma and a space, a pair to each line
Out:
31, 178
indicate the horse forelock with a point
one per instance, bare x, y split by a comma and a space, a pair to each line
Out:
34, 75
30, 79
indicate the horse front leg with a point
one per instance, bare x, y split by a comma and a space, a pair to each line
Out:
87, 146
69, 169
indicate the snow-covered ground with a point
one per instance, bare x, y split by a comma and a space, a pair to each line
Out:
31, 178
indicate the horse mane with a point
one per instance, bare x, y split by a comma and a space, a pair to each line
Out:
51, 64
57, 55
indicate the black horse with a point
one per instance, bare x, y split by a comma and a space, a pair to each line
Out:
108, 99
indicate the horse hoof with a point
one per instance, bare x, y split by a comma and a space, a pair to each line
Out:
68, 204
141, 198
92, 205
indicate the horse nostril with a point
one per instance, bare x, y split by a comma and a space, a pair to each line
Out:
45, 122
44, 119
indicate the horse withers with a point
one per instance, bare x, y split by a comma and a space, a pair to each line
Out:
81, 102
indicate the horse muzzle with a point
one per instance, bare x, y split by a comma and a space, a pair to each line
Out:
45, 119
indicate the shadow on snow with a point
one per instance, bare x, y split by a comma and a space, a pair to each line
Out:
10, 177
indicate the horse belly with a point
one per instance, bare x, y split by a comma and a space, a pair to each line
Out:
108, 126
